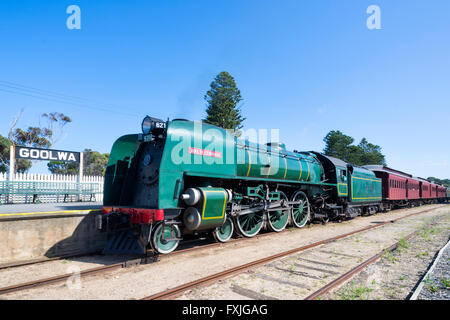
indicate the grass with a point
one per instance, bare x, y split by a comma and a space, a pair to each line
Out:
422, 254
402, 277
432, 288
403, 244
388, 256
352, 293
430, 285
446, 283
428, 231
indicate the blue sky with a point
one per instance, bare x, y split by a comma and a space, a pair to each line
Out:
304, 67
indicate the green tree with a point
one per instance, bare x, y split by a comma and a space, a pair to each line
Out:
22, 165
94, 164
337, 145
340, 146
222, 103
42, 136
445, 182
370, 153
63, 167
37, 137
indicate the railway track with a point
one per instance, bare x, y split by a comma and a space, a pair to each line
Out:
177, 291
190, 245
212, 278
340, 280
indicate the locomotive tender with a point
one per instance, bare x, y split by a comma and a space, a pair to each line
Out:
182, 177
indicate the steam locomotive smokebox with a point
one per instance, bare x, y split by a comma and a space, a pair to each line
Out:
208, 211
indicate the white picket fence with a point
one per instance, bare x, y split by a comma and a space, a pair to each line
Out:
65, 188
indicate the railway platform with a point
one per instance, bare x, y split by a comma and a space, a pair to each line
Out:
49, 230
47, 210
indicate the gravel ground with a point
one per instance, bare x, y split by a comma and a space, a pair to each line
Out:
15, 275
299, 275
145, 280
396, 275
437, 285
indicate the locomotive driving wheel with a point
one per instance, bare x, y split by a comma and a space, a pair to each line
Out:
278, 220
250, 224
224, 232
160, 242
300, 212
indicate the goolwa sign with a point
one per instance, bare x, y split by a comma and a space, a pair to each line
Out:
46, 154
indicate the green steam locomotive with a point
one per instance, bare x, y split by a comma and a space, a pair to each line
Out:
182, 177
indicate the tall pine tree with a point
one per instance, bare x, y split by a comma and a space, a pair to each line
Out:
222, 103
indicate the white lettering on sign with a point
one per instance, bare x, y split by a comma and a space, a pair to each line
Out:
62, 155
46, 154
24, 153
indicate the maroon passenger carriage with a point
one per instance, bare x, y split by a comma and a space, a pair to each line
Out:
401, 189
395, 187
441, 193
425, 190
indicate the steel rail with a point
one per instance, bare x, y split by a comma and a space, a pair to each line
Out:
333, 284
59, 278
239, 269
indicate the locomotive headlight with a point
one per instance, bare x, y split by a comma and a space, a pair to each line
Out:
147, 125
152, 125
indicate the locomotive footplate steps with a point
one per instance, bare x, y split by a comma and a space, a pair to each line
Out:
124, 242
